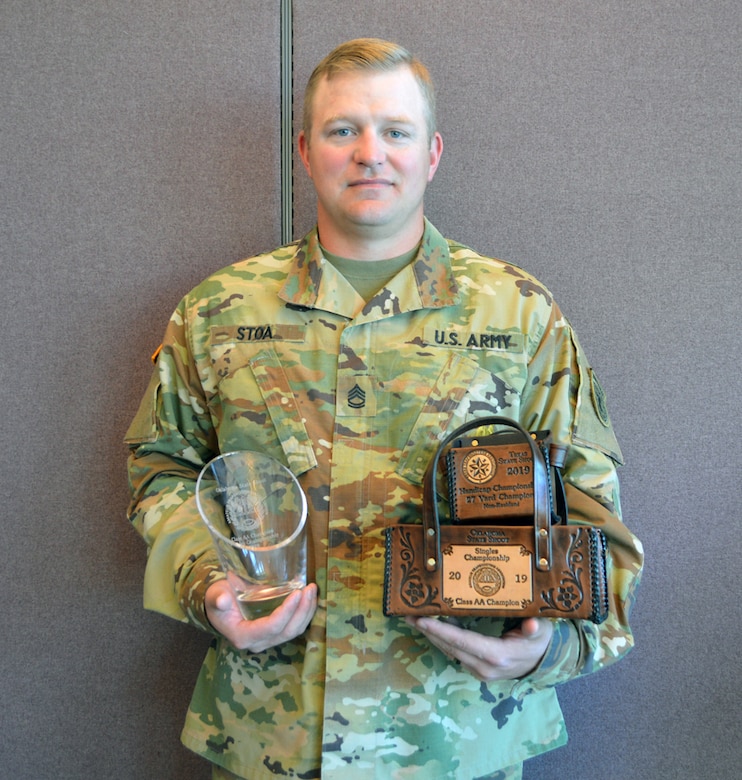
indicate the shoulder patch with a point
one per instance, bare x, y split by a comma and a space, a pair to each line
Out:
592, 424
599, 401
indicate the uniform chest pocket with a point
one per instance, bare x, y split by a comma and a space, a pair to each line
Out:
463, 390
256, 384
441, 410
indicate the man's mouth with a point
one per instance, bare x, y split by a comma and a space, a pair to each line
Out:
371, 183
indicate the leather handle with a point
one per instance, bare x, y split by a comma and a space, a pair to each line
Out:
541, 496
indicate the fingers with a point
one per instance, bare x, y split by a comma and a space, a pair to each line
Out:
530, 627
510, 656
296, 612
225, 601
286, 622
220, 601
454, 642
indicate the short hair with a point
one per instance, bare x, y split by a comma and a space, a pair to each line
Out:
370, 54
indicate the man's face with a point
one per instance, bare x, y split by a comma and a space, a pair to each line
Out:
370, 158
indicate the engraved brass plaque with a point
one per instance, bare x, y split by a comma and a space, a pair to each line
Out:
487, 576
491, 482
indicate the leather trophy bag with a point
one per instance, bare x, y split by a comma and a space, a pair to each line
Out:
506, 550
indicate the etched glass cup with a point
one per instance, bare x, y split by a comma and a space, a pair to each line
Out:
256, 513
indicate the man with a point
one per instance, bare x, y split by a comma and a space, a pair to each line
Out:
342, 356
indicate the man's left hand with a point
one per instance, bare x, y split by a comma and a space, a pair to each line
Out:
511, 656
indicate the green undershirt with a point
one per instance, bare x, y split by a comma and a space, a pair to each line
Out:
369, 276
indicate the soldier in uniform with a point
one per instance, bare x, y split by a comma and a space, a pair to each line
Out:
348, 356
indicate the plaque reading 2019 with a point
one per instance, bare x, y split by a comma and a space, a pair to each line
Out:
492, 482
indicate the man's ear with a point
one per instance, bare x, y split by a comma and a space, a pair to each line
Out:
436, 150
303, 146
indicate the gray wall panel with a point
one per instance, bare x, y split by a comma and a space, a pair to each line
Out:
140, 151
597, 145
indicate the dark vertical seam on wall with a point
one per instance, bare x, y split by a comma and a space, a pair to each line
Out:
287, 116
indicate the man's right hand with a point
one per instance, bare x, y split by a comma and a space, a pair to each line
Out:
286, 622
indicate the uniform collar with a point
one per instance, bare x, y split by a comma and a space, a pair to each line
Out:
427, 283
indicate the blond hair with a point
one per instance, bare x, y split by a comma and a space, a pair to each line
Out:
369, 54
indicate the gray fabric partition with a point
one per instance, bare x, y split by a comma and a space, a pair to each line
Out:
140, 151
595, 143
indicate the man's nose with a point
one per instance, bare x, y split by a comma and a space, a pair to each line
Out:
369, 150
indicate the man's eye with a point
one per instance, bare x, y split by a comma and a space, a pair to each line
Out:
397, 134
342, 132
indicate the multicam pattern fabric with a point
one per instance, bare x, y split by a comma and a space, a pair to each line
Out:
279, 354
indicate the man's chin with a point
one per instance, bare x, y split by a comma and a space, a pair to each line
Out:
374, 214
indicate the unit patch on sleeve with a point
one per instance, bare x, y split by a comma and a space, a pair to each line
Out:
599, 401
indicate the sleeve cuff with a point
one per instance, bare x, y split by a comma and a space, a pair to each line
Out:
205, 572
561, 661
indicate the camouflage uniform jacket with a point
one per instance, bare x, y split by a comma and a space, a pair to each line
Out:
278, 353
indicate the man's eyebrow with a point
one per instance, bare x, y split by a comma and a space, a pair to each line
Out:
337, 119
400, 120
392, 120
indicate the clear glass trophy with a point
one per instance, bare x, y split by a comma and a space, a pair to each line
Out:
256, 513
